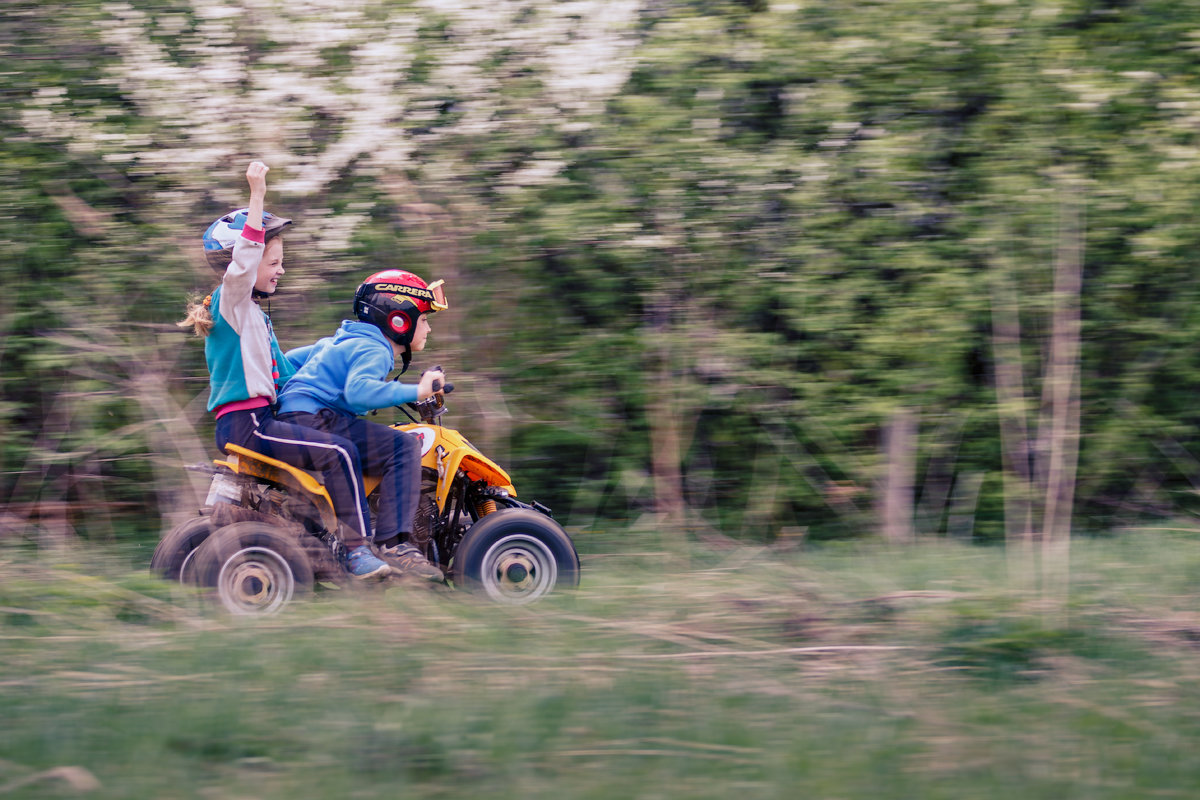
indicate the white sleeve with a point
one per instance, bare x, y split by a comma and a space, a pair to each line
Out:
237, 287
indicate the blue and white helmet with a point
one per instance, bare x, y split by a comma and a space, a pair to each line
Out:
223, 234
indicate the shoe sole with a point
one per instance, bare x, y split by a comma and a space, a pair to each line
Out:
380, 573
414, 572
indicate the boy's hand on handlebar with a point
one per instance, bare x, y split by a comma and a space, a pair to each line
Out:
432, 382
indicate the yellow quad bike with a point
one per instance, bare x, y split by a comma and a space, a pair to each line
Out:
263, 536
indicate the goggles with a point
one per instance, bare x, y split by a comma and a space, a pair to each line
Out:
438, 290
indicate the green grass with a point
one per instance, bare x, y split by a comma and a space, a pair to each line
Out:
855, 671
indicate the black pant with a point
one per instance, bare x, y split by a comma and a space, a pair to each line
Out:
392, 456
334, 457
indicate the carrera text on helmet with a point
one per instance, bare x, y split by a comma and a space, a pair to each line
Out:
412, 291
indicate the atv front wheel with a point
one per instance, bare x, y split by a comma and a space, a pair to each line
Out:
515, 557
253, 568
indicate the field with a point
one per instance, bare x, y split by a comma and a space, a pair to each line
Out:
839, 672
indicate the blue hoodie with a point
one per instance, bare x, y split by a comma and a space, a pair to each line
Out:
346, 372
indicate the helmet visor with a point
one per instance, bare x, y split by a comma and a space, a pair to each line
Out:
438, 290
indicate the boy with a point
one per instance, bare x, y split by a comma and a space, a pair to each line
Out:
345, 375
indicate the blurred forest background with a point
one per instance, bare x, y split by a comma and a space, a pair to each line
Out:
743, 268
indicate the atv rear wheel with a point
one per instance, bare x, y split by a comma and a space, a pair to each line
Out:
253, 568
173, 555
515, 557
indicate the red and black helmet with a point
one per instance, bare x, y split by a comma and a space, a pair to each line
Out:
394, 299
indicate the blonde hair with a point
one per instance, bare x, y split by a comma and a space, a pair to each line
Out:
199, 317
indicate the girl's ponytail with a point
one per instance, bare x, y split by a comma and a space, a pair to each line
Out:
199, 317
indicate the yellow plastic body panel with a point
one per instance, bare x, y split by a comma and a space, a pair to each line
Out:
448, 453
248, 462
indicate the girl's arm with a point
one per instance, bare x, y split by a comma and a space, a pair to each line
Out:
242, 271
256, 176
299, 355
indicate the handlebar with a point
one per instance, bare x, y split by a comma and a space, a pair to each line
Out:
437, 385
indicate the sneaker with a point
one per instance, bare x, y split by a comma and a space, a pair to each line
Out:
408, 560
362, 563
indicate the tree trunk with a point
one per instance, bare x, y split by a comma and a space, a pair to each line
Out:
666, 456
896, 497
1014, 434
1063, 390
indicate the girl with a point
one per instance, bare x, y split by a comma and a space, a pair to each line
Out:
247, 368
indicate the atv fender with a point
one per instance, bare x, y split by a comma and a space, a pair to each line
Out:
244, 461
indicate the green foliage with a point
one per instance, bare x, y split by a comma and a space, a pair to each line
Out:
1008, 649
772, 226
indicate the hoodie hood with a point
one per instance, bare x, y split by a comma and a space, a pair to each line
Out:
353, 329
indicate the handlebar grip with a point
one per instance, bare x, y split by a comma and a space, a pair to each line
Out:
437, 385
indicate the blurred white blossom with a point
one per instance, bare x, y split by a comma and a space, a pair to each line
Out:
334, 93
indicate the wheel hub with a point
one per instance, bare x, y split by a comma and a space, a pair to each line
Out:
252, 583
255, 580
517, 571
